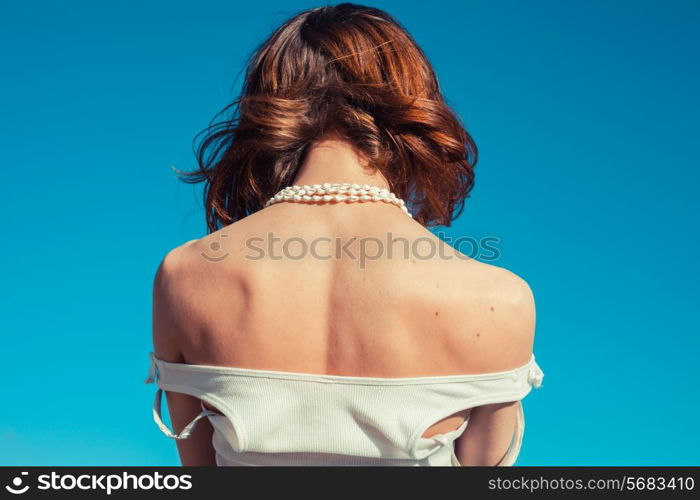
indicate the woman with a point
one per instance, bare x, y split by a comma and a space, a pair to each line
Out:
320, 322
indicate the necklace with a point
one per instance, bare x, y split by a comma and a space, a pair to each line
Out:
336, 192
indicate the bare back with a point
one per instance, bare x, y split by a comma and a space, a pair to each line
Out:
335, 308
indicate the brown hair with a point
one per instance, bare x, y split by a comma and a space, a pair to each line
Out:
352, 70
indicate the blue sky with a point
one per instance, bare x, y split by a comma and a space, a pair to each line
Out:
585, 115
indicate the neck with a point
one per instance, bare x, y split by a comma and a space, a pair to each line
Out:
332, 159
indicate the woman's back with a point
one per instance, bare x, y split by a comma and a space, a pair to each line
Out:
335, 328
291, 288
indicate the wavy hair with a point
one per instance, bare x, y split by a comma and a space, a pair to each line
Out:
348, 69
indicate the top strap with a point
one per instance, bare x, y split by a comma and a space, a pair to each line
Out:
189, 428
516, 444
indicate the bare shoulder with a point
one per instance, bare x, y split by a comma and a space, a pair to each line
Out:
511, 288
168, 301
195, 262
176, 266
184, 283
501, 307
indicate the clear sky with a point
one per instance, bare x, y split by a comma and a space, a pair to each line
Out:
586, 119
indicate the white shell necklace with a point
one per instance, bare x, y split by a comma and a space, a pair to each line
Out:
336, 192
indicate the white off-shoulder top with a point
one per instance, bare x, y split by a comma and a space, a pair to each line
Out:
286, 418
